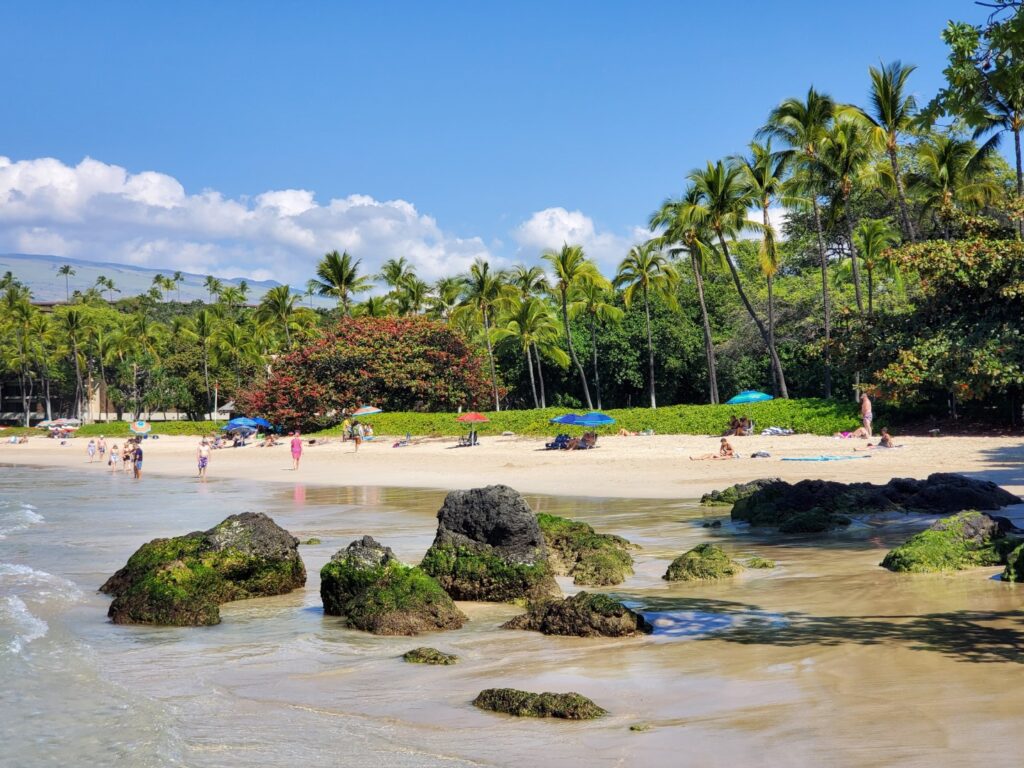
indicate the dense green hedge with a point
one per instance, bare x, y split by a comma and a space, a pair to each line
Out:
820, 417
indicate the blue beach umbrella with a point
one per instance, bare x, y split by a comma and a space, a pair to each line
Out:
568, 419
259, 421
595, 419
240, 423
749, 396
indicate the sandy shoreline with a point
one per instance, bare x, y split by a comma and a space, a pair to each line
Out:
624, 467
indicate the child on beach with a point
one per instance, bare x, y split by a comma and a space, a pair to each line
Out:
296, 449
91, 450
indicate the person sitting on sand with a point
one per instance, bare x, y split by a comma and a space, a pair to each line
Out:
734, 425
859, 432
884, 441
725, 451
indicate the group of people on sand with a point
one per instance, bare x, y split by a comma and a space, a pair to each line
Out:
742, 427
127, 457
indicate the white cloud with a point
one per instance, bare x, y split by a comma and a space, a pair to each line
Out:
776, 217
552, 227
99, 211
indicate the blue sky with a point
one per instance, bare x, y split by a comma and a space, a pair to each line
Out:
476, 116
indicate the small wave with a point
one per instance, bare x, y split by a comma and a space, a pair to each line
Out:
40, 583
19, 622
19, 519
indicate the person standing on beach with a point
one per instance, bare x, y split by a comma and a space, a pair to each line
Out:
296, 449
101, 446
137, 460
91, 449
865, 413
203, 458
115, 456
357, 434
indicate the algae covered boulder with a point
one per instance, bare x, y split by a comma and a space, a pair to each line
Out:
181, 581
705, 562
591, 558
582, 615
732, 494
965, 540
489, 547
429, 656
569, 706
1014, 570
373, 591
759, 562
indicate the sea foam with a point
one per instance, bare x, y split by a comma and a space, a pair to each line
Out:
19, 625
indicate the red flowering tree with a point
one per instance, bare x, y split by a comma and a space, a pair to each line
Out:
394, 363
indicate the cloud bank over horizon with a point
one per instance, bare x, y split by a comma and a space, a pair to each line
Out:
103, 212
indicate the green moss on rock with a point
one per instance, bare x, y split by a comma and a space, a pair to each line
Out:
966, 540
471, 573
1014, 570
705, 562
429, 656
591, 558
729, 496
582, 615
759, 562
311, 541
569, 706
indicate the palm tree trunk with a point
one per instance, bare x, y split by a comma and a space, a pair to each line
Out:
22, 382
540, 378
1020, 177
771, 303
709, 347
871, 292
78, 382
650, 349
853, 261
772, 354
206, 378
826, 303
490, 357
908, 227
572, 352
597, 375
533, 383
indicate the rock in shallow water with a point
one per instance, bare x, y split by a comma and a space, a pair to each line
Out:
705, 562
591, 558
429, 656
373, 591
734, 493
489, 547
569, 706
182, 581
582, 615
965, 540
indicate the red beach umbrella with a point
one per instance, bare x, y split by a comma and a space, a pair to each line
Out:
472, 417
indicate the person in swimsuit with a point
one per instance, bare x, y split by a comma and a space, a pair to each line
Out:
91, 450
866, 416
203, 458
137, 461
725, 451
101, 446
296, 449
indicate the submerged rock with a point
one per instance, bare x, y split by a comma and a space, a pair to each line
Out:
181, 581
1014, 570
489, 547
759, 562
732, 494
429, 656
592, 559
954, 543
705, 562
812, 506
569, 706
373, 591
582, 615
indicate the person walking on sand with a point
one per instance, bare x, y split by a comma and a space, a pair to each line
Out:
101, 446
865, 412
296, 449
357, 435
203, 458
137, 461
91, 450
115, 456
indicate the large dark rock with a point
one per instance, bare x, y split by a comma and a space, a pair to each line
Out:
374, 592
489, 547
569, 706
965, 540
730, 495
591, 558
705, 562
183, 580
818, 505
582, 615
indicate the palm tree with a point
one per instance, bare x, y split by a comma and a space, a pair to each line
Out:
67, 271
483, 290
339, 277
203, 328
445, 296
763, 173
571, 269
528, 321
176, 280
374, 306
278, 309
950, 173
874, 237
394, 272
684, 234
592, 302
531, 281
311, 286
234, 345
646, 269
75, 328
104, 283
892, 113
721, 204
412, 295
213, 287
802, 126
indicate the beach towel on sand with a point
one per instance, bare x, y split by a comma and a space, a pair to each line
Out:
824, 458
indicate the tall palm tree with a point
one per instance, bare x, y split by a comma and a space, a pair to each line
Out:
874, 237
802, 124
202, 327
721, 204
528, 321
234, 345
891, 114
394, 272
412, 295
684, 234
532, 281
571, 269
177, 279
67, 271
763, 173
950, 173
482, 292
647, 269
592, 302
311, 286
104, 283
74, 326
277, 308
374, 306
213, 287
444, 297
339, 277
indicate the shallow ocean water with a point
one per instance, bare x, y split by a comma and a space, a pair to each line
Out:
825, 660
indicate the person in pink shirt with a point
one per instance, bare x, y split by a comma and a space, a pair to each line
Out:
296, 449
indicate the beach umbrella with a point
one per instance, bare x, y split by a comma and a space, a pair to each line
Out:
595, 419
472, 417
242, 421
366, 410
749, 396
568, 419
45, 424
140, 427
259, 421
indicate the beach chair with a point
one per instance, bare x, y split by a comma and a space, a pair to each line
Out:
559, 443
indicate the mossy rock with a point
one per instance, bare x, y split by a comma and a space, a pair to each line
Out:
478, 573
1014, 570
569, 706
729, 496
429, 656
374, 592
582, 615
966, 540
591, 558
181, 581
815, 520
310, 542
759, 562
705, 562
